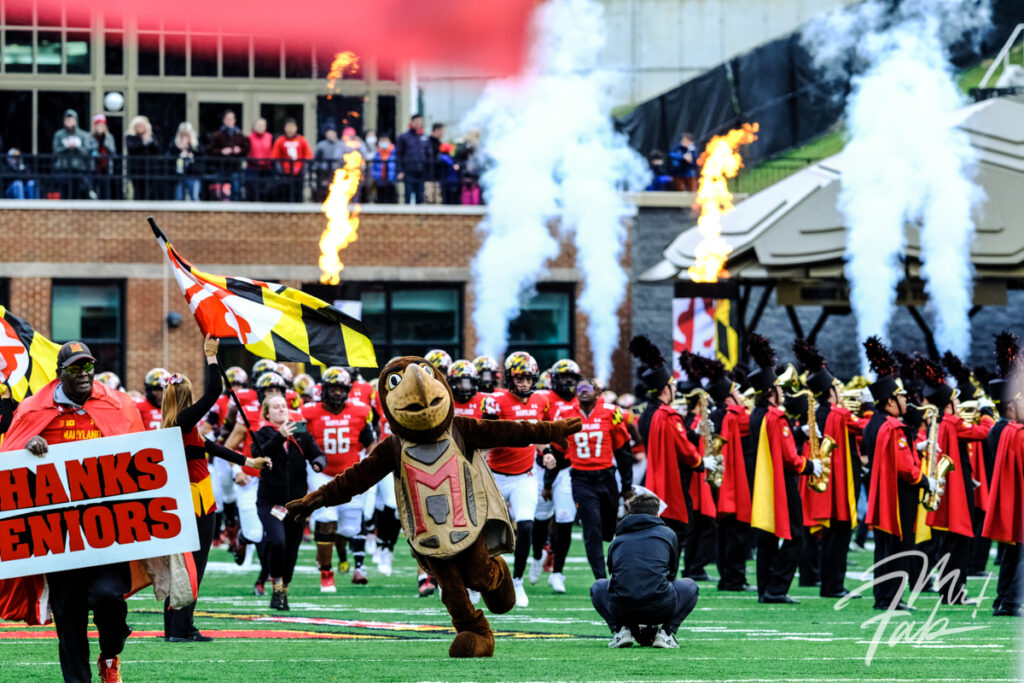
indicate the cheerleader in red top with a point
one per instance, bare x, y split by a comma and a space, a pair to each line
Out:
178, 410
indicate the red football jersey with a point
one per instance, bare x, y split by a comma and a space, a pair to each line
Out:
507, 406
556, 403
338, 435
604, 431
473, 408
151, 416
69, 426
362, 391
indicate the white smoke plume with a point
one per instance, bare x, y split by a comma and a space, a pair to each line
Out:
905, 162
553, 154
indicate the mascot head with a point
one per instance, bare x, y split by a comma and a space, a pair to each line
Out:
416, 399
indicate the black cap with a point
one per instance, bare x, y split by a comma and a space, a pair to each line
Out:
762, 379
655, 379
72, 352
941, 395
722, 389
914, 416
885, 388
820, 382
796, 407
1002, 390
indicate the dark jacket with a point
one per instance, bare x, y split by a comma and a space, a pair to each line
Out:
187, 165
643, 560
412, 153
144, 158
286, 481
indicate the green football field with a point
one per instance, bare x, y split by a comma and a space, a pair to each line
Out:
384, 632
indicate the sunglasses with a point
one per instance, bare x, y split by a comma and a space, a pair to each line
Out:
80, 369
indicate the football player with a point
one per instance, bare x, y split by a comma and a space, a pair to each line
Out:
440, 359
149, 406
593, 455
462, 378
342, 427
513, 467
488, 372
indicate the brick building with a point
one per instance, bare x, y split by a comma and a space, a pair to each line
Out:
92, 270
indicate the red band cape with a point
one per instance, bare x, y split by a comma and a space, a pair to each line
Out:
667, 447
1004, 516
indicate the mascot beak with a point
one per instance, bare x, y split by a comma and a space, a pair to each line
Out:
417, 391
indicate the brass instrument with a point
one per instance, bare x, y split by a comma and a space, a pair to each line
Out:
748, 397
713, 443
933, 465
789, 380
822, 452
970, 412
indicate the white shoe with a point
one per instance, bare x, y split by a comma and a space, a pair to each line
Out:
666, 640
622, 639
474, 596
371, 544
521, 599
384, 566
537, 567
557, 582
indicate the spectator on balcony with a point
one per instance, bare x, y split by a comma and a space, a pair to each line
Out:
102, 150
383, 171
435, 169
370, 140
685, 170
144, 160
288, 154
412, 154
259, 168
661, 178
71, 159
450, 178
469, 168
188, 162
354, 143
327, 158
17, 181
228, 150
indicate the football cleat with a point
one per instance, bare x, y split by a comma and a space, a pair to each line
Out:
359, 576
327, 582
259, 589
557, 582
537, 566
522, 600
427, 587
385, 561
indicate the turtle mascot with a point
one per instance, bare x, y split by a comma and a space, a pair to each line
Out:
451, 510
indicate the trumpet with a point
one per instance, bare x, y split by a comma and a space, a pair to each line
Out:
820, 451
969, 412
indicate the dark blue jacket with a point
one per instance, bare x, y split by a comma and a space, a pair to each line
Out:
412, 153
643, 560
681, 168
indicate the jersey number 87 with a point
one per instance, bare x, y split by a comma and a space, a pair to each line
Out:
583, 450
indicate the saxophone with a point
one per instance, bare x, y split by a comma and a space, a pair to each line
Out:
820, 451
713, 443
933, 465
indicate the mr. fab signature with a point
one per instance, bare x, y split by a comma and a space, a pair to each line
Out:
904, 627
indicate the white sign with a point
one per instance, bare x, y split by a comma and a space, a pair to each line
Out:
95, 502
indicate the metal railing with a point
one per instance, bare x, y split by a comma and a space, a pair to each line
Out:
206, 178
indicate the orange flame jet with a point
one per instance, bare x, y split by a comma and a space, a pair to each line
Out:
719, 162
341, 224
344, 62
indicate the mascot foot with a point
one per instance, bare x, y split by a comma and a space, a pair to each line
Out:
470, 644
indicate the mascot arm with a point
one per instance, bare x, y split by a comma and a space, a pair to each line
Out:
353, 481
486, 434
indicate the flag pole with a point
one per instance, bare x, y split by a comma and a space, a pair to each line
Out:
240, 411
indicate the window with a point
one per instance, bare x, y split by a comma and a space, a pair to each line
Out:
404, 318
165, 111
5, 292
386, 109
16, 120
113, 53
92, 312
341, 110
544, 327
50, 113
18, 51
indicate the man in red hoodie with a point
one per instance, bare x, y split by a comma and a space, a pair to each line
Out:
74, 408
288, 151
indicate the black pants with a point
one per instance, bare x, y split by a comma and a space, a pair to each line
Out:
597, 502
1010, 587
681, 529
810, 558
980, 546
178, 622
700, 544
281, 539
668, 616
776, 563
732, 553
956, 550
835, 544
888, 545
72, 594
413, 185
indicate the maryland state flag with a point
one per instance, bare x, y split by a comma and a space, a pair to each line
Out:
271, 320
28, 360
